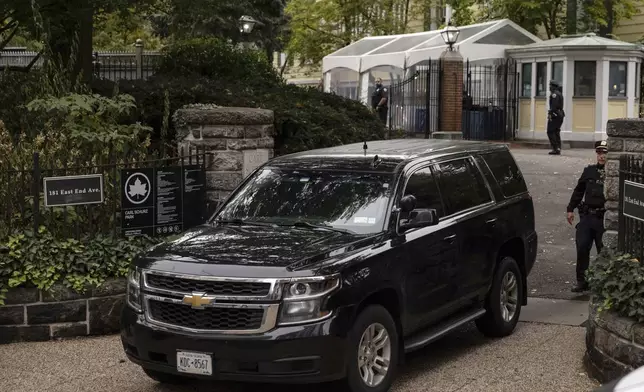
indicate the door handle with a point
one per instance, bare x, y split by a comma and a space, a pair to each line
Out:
450, 238
491, 221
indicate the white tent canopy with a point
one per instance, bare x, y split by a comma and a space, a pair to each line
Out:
476, 42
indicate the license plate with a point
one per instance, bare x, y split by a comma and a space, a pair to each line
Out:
194, 363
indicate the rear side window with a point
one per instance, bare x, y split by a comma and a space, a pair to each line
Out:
506, 172
422, 185
462, 185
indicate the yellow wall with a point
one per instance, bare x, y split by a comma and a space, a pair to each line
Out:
631, 30
524, 114
583, 115
617, 108
540, 113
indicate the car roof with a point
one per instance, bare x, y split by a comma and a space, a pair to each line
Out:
391, 154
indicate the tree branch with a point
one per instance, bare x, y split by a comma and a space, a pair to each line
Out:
6, 41
34, 60
335, 37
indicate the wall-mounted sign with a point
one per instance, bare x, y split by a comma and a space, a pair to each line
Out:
162, 201
73, 190
633, 203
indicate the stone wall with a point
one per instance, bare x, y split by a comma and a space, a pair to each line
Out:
30, 314
237, 140
625, 136
615, 345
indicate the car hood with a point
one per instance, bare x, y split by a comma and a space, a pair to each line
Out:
271, 246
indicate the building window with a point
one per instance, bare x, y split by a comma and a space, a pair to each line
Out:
585, 78
557, 72
526, 80
542, 83
617, 79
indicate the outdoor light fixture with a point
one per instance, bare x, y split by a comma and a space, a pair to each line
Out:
247, 24
450, 35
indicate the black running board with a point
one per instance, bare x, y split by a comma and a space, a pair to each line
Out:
436, 332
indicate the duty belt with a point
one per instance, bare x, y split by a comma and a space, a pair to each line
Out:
592, 211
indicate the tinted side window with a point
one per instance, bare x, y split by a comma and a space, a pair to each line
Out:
461, 185
423, 186
506, 172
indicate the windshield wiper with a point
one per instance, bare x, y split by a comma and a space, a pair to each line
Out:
316, 226
242, 222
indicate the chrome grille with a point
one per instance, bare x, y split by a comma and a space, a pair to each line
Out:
212, 318
212, 287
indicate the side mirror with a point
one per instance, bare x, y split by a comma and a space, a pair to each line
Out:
419, 218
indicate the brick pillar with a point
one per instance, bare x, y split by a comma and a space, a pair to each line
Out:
451, 92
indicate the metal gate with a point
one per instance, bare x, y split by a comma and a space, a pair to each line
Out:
414, 104
490, 101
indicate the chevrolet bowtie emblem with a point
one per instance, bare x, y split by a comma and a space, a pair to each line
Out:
197, 300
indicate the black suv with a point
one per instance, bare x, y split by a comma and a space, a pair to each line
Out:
331, 264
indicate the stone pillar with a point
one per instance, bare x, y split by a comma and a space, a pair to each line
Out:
625, 136
451, 94
237, 141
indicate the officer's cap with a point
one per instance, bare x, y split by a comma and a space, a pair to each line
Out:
554, 83
601, 146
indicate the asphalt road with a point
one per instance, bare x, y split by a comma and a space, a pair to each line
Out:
551, 180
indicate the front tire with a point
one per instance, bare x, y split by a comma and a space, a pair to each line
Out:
373, 351
504, 301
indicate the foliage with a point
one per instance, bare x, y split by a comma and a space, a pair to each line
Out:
118, 31
186, 19
617, 282
90, 123
304, 117
216, 59
319, 27
41, 259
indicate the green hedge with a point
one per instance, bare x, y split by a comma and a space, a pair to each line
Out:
40, 260
617, 282
209, 72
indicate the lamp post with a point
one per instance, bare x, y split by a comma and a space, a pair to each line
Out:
450, 35
246, 26
451, 82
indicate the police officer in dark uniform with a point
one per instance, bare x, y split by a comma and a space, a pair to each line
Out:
379, 101
555, 117
590, 228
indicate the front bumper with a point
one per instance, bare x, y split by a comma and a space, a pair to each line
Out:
309, 353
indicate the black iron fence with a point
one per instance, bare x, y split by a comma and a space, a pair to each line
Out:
631, 206
414, 104
110, 65
490, 101
22, 198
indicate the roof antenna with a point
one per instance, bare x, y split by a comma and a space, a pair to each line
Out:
364, 147
376, 161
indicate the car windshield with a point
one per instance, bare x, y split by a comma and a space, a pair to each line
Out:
346, 201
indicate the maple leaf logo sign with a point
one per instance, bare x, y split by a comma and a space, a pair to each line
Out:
138, 189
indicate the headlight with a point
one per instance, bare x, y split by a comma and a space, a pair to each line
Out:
305, 300
134, 288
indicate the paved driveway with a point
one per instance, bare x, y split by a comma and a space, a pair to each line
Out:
551, 180
538, 357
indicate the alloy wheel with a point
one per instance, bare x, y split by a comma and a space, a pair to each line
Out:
374, 354
509, 296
